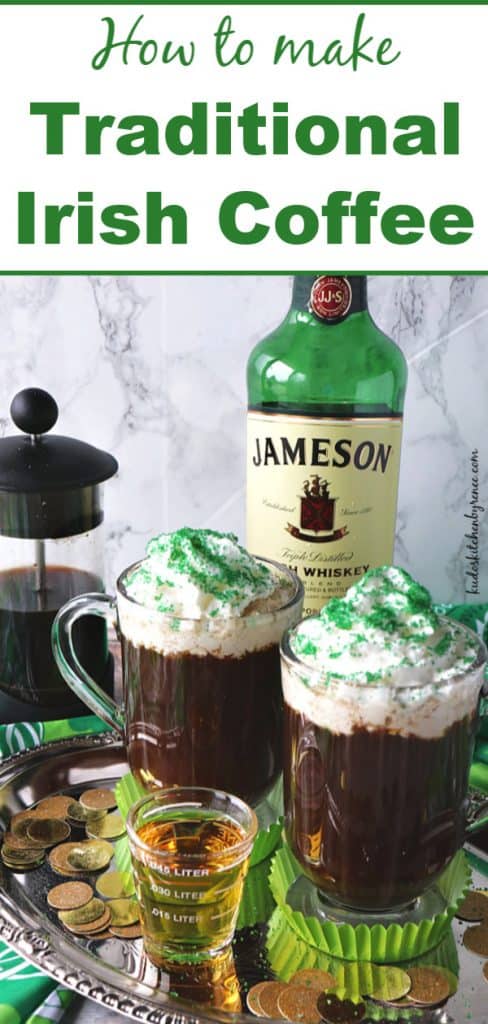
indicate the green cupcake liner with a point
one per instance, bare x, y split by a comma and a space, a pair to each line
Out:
288, 953
122, 855
266, 843
378, 944
257, 900
127, 791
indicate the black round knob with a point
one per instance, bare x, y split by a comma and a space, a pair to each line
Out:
34, 411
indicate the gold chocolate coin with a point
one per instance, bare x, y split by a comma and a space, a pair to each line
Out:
124, 912
20, 869
109, 827
299, 1003
98, 800
24, 853
364, 978
90, 927
268, 998
48, 831
131, 931
90, 855
390, 984
81, 815
83, 915
22, 856
252, 998
451, 979
20, 823
115, 884
69, 895
474, 906
58, 859
476, 939
52, 807
339, 1011
429, 986
312, 977
21, 842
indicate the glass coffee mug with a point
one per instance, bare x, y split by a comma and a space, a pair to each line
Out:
376, 788
202, 698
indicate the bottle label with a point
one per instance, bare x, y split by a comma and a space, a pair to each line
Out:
330, 298
321, 497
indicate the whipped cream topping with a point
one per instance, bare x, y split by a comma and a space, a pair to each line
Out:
384, 628
197, 574
382, 657
200, 592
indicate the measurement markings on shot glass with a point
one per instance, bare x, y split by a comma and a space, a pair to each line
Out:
161, 891
187, 895
176, 872
177, 894
177, 918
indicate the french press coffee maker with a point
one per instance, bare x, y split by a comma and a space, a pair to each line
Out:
51, 549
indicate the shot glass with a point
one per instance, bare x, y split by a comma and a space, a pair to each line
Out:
190, 851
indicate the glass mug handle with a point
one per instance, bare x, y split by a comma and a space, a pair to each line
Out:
477, 802
69, 664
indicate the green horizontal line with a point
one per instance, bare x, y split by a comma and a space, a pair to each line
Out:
243, 3
236, 273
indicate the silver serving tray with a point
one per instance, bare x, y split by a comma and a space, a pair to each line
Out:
116, 973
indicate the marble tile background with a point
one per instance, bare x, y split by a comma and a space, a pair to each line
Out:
153, 369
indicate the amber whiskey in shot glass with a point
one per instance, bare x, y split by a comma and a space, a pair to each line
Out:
190, 851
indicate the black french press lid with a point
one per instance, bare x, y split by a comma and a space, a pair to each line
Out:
49, 484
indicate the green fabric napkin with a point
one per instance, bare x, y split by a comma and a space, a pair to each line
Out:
27, 735
476, 617
27, 996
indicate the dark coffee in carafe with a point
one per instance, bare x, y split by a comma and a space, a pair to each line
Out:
51, 519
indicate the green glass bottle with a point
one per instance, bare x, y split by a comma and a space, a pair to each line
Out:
325, 403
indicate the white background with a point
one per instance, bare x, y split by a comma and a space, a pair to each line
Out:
45, 55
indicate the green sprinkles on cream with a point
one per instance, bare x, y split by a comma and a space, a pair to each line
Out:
386, 624
443, 646
195, 555
207, 573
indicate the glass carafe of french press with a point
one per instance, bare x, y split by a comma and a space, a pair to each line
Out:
51, 549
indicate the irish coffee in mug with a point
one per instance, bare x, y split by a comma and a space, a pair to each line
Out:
381, 709
200, 621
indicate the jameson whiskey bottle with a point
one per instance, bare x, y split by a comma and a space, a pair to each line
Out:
326, 393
